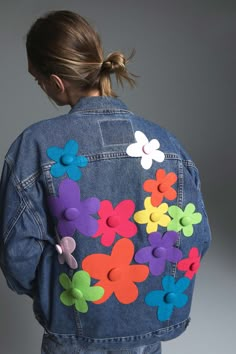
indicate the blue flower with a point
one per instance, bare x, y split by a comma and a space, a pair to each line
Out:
67, 160
168, 298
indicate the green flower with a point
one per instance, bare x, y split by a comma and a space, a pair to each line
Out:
78, 291
183, 220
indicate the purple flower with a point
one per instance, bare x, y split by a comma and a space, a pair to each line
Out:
72, 213
161, 250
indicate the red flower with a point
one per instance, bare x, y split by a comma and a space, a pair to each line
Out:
161, 187
190, 264
115, 274
115, 221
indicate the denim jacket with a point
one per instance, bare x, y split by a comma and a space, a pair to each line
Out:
103, 225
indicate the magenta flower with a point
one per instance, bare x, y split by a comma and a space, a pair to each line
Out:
115, 221
191, 264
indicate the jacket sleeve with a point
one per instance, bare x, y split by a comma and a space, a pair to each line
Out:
20, 234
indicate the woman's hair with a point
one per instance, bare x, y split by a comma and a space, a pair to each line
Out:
63, 43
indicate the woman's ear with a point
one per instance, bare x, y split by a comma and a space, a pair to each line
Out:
57, 83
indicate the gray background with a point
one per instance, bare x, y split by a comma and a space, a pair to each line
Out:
186, 56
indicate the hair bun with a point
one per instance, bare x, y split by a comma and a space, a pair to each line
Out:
114, 62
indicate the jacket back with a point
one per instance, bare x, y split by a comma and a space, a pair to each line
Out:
103, 224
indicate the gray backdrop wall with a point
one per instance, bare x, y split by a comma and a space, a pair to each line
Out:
186, 56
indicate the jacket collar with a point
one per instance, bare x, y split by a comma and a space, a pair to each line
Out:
98, 103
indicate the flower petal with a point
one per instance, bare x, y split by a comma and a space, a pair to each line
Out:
141, 217
97, 265
81, 305
93, 293
106, 209
65, 281
55, 153
87, 225
155, 298
157, 266
175, 212
168, 283
188, 230
146, 162
196, 218
164, 221
141, 137
151, 227
66, 228
143, 255
90, 205
73, 172
157, 156
108, 291
134, 150
125, 208
108, 237
123, 252
127, 229
80, 161
138, 273
71, 147
66, 299
81, 280
164, 312
181, 300
126, 292
174, 225
181, 285
57, 170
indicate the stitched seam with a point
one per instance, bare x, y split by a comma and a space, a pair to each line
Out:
138, 336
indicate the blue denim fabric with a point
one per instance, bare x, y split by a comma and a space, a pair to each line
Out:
104, 128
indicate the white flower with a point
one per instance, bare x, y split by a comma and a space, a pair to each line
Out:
147, 150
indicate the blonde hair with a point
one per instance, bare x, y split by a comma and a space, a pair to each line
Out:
63, 43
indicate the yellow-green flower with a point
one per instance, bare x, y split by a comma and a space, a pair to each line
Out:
152, 216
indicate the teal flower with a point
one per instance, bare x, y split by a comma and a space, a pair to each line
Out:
78, 291
183, 219
172, 296
67, 160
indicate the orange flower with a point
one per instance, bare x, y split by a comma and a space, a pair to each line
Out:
161, 187
115, 274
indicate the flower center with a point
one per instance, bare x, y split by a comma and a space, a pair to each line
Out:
194, 266
59, 249
185, 221
170, 298
155, 217
114, 274
67, 159
76, 293
71, 214
147, 149
159, 252
113, 221
163, 187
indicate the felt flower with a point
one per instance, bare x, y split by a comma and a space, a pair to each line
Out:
71, 212
65, 247
78, 291
162, 249
152, 216
67, 160
190, 264
115, 221
161, 187
183, 220
147, 150
114, 272
172, 296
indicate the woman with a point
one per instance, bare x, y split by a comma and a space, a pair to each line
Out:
103, 221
